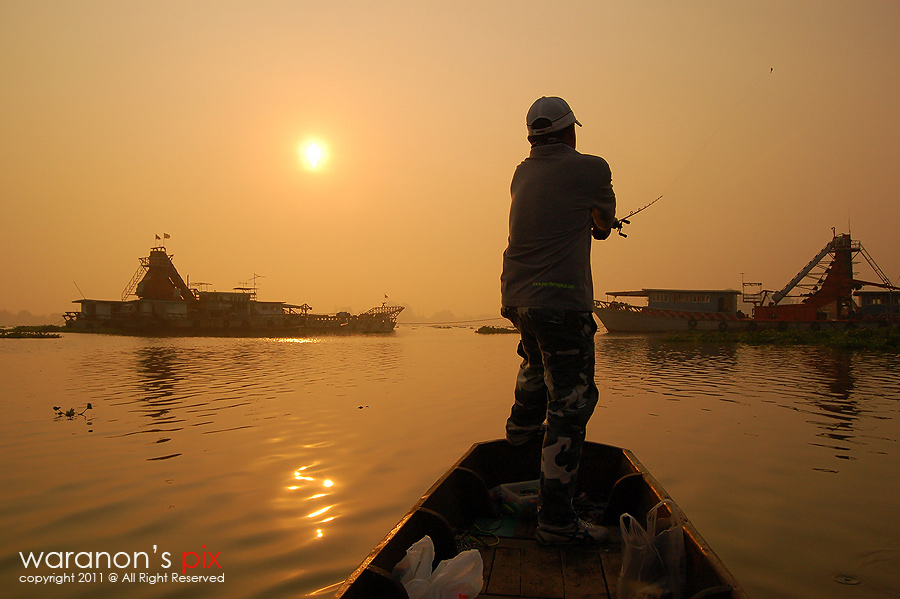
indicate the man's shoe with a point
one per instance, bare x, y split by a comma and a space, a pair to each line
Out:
578, 532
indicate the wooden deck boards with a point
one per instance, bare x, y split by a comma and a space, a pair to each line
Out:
522, 568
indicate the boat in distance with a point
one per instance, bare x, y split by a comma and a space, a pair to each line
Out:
826, 293
515, 565
166, 305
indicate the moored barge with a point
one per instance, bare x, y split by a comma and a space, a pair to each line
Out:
166, 305
826, 293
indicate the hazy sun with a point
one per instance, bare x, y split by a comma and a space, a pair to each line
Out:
313, 154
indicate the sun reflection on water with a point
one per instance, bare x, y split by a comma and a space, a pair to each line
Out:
320, 512
302, 475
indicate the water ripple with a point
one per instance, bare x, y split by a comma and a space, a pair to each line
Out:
294, 457
842, 393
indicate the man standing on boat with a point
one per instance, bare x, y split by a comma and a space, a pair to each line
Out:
560, 200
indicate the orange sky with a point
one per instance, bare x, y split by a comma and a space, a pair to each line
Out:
122, 120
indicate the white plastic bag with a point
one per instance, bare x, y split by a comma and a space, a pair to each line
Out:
414, 570
652, 560
457, 578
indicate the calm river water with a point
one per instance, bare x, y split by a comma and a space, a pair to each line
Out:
281, 463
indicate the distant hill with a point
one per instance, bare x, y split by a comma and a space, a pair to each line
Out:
24, 317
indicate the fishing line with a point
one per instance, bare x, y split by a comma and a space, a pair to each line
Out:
699, 151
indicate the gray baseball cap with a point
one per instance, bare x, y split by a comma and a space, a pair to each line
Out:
552, 109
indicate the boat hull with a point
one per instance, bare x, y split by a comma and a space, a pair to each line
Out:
624, 318
514, 564
282, 325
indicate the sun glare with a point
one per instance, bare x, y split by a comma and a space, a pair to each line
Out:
313, 154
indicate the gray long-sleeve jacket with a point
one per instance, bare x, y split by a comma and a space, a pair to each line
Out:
547, 263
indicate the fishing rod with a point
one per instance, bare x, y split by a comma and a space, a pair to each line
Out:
618, 223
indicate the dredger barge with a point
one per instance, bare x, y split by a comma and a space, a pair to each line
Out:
166, 305
825, 293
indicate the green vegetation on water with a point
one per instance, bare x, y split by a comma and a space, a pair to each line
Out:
486, 330
882, 339
45, 331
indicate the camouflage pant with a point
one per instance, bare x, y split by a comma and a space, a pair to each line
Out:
556, 383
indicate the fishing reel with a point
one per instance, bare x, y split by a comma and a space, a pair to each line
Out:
601, 234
